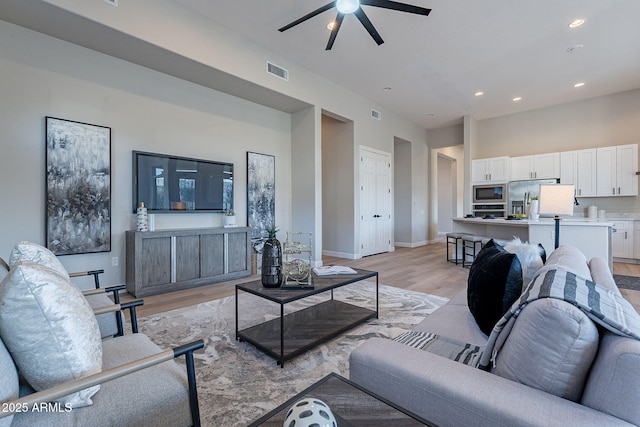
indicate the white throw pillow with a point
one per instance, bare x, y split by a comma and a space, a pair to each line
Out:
50, 329
530, 257
27, 251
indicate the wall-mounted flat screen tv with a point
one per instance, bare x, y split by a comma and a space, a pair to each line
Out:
172, 184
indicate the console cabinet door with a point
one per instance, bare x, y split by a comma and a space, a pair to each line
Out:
155, 265
212, 256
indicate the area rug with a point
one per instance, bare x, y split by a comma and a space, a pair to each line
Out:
627, 282
237, 383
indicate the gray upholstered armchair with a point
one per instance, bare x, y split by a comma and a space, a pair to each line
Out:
56, 368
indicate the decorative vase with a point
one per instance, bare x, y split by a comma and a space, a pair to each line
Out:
533, 212
272, 262
142, 221
229, 220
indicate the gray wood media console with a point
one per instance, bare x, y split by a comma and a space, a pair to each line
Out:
169, 260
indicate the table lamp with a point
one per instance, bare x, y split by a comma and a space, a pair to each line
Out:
557, 200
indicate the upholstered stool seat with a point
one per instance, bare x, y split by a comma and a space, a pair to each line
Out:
471, 245
453, 239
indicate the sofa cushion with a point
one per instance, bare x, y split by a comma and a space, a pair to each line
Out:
612, 386
570, 258
49, 328
495, 282
531, 257
601, 274
8, 381
27, 251
551, 347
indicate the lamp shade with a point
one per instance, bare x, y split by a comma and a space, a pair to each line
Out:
556, 199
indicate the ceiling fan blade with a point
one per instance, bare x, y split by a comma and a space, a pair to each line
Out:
334, 31
308, 16
394, 5
362, 17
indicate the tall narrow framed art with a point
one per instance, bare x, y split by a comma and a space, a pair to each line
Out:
261, 193
78, 187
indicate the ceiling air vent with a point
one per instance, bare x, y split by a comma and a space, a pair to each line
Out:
376, 115
112, 2
277, 71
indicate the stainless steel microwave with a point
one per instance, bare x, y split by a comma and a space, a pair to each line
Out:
490, 193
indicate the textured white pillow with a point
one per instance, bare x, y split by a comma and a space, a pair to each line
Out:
50, 329
27, 251
530, 257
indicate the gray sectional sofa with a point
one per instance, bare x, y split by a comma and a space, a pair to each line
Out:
555, 368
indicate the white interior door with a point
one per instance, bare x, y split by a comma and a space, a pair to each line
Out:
375, 201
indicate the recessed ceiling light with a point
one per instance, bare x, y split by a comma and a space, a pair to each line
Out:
431, 114
576, 23
575, 48
579, 84
330, 25
517, 98
387, 88
479, 93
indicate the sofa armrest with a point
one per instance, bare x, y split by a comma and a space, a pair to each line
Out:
113, 289
131, 306
62, 390
94, 273
449, 393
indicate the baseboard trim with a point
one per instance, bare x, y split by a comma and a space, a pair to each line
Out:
411, 245
340, 254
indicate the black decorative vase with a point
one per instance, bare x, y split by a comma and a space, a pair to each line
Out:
272, 263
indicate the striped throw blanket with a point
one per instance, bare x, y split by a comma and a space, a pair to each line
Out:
457, 351
603, 306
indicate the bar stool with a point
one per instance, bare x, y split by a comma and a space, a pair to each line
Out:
453, 239
471, 245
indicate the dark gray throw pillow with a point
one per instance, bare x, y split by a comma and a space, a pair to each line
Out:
494, 284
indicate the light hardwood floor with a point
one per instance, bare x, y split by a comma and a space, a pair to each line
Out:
422, 269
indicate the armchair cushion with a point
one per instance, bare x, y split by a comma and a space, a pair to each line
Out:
50, 329
155, 396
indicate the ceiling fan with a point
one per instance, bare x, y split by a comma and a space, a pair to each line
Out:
346, 7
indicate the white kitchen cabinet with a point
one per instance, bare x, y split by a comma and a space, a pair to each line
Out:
622, 239
494, 169
617, 167
578, 167
540, 166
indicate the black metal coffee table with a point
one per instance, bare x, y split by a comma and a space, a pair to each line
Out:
351, 405
291, 335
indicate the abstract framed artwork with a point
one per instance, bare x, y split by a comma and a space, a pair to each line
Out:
78, 187
261, 193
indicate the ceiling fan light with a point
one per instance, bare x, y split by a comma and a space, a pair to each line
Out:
347, 6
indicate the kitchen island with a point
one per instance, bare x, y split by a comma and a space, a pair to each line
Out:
593, 238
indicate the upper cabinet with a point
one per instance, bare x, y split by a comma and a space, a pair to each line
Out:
617, 167
579, 168
540, 166
494, 169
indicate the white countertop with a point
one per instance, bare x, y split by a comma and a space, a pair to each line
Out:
540, 222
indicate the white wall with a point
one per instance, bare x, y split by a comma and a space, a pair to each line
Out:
402, 194
338, 178
146, 111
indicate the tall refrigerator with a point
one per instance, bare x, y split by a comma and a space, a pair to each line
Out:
519, 193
